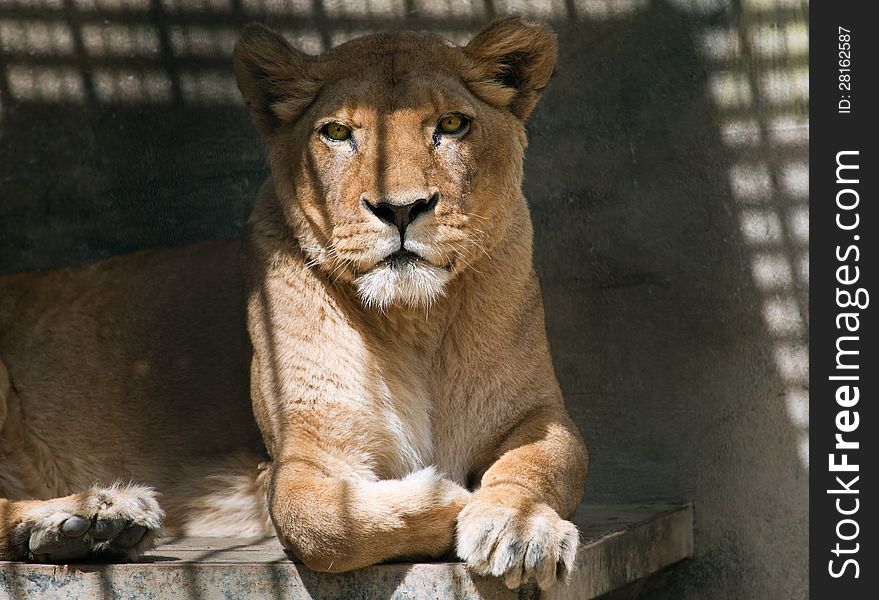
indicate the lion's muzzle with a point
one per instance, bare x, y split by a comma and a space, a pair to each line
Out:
401, 209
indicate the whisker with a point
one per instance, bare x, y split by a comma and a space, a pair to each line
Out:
480, 246
339, 270
466, 262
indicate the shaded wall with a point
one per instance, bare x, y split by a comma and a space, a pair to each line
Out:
666, 175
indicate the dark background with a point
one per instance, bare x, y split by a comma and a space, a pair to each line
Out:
666, 175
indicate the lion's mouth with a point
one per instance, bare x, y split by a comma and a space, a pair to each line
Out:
401, 257
406, 258
402, 277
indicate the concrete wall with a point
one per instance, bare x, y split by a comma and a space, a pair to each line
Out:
667, 180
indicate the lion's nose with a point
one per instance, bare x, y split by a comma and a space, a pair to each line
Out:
401, 213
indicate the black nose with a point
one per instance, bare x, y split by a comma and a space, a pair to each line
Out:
401, 214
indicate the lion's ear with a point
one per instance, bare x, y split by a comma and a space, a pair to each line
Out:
273, 77
511, 62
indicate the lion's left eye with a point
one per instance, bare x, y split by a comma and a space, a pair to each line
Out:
336, 132
453, 124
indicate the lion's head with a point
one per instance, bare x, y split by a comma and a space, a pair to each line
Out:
397, 157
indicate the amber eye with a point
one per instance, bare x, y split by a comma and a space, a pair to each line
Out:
336, 132
453, 124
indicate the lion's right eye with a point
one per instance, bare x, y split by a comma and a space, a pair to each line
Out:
453, 124
336, 132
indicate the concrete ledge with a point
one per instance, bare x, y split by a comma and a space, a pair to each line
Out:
619, 544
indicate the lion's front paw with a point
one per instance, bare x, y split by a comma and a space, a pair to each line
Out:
517, 543
113, 523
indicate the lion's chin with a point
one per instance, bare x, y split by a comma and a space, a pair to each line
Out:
407, 283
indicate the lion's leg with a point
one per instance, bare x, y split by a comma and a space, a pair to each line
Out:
112, 523
116, 522
335, 524
514, 527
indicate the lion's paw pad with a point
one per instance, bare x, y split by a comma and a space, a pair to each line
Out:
113, 523
517, 545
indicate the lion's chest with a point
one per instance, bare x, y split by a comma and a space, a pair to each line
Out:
402, 407
425, 409
425, 422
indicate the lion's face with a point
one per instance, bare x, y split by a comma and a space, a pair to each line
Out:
397, 157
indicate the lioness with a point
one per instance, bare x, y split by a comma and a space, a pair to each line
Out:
399, 372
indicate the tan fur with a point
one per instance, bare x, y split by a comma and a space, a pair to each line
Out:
406, 407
